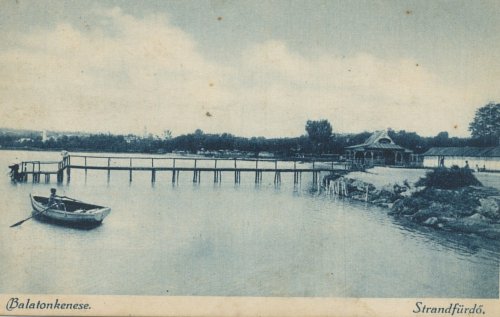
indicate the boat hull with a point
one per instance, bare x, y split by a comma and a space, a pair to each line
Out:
81, 214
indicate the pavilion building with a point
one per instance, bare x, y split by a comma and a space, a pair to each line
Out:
379, 149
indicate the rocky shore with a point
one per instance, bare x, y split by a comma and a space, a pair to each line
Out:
468, 209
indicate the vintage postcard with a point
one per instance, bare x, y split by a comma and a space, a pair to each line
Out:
249, 158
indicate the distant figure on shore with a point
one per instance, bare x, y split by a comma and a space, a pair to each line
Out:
477, 168
441, 162
55, 201
467, 165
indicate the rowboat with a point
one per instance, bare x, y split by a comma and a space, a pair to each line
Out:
74, 212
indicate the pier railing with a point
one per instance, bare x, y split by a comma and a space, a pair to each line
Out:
181, 164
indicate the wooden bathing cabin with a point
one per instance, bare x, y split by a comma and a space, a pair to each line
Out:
477, 158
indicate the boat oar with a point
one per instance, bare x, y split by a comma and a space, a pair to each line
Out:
79, 201
33, 215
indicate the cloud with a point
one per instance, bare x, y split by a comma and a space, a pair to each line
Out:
120, 73
360, 92
131, 74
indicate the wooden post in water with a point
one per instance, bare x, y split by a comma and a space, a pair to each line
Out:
173, 171
130, 171
295, 174
257, 171
276, 173
215, 171
109, 168
194, 176
60, 175
235, 173
153, 171
195, 173
68, 168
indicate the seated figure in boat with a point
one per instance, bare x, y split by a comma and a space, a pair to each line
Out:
55, 201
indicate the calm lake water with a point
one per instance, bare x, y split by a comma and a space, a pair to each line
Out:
230, 240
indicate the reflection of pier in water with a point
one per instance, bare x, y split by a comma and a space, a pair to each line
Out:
175, 165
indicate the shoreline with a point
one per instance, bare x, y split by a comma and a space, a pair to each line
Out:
472, 210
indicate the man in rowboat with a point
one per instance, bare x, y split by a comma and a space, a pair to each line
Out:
55, 201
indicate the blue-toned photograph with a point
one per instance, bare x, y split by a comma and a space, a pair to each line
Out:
317, 149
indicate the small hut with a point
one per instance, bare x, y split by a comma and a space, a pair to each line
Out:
477, 158
378, 149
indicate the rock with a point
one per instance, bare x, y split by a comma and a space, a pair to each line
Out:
408, 206
384, 205
434, 210
399, 189
489, 207
492, 232
359, 185
446, 219
477, 216
432, 221
468, 225
358, 197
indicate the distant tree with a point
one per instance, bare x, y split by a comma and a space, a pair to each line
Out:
442, 137
319, 133
486, 124
167, 134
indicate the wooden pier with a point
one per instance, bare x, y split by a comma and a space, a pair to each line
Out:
175, 165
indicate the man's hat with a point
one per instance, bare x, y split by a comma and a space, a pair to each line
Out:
52, 190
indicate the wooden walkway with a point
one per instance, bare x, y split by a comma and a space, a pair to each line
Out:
176, 165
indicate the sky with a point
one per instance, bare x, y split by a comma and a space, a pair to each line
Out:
250, 68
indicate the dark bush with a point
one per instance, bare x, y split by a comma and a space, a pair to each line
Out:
449, 178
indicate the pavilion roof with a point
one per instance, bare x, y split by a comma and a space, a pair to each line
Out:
379, 140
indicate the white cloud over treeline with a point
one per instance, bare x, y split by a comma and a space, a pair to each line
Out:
120, 73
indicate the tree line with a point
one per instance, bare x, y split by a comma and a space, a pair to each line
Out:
318, 139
